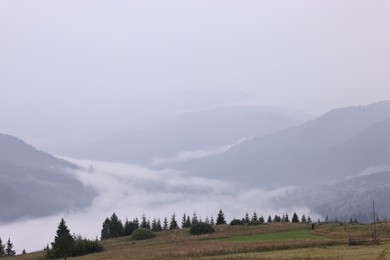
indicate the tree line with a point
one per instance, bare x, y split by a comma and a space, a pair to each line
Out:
113, 227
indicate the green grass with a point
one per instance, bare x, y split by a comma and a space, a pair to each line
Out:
274, 241
279, 235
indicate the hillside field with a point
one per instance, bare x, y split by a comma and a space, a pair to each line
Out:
267, 241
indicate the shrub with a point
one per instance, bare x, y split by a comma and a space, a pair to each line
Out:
236, 222
201, 228
254, 223
83, 246
142, 233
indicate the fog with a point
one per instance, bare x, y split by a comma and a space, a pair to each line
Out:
130, 191
73, 71
198, 154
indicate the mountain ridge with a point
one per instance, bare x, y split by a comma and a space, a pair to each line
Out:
267, 159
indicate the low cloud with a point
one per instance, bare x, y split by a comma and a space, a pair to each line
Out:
131, 190
198, 154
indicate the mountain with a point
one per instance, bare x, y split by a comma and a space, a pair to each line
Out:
340, 143
346, 199
191, 131
34, 183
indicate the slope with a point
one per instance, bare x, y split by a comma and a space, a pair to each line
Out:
292, 156
34, 183
188, 131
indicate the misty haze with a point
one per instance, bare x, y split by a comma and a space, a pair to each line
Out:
157, 109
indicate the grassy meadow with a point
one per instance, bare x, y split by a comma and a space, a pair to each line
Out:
267, 241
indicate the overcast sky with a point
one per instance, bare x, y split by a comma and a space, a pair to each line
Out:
80, 61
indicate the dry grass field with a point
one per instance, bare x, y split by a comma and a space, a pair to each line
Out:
268, 241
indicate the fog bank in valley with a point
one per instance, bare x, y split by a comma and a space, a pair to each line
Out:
131, 190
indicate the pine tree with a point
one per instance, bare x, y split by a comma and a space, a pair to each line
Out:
2, 248
105, 233
184, 221
285, 218
194, 219
136, 222
24, 252
269, 220
165, 224
212, 220
188, 222
116, 226
154, 225
144, 222
303, 218
129, 227
246, 219
207, 220
261, 219
159, 228
254, 217
9, 250
221, 218
173, 224
148, 226
295, 218
63, 241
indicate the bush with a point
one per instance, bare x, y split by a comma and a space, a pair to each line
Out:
142, 233
254, 223
83, 246
201, 228
236, 222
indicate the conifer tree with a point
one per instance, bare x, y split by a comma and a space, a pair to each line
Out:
286, 218
184, 221
63, 241
295, 218
10, 248
173, 224
129, 227
277, 218
148, 226
207, 220
24, 252
159, 227
194, 219
2, 248
303, 218
116, 226
246, 219
212, 220
188, 221
144, 222
165, 224
154, 224
105, 233
269, 220
136, 222
254, 217
221, 218
261, 219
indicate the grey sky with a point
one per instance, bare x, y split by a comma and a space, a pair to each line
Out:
64, 62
